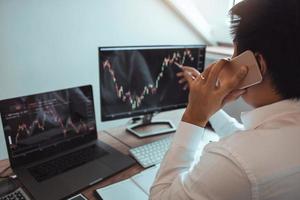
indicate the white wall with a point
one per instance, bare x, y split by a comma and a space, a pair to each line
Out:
52, 44
216, 13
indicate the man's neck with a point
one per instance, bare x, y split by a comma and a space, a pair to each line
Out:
270, 98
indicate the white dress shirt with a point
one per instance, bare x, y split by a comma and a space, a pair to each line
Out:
260, 161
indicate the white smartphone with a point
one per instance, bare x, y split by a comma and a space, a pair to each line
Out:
248, 59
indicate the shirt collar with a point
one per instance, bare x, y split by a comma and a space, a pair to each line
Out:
258, 116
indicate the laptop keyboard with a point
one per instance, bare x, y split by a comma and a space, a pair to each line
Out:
66, 162
18, 194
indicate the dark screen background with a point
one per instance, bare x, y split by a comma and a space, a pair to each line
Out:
138, 81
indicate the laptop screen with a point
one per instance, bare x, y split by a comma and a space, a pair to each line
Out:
48, 122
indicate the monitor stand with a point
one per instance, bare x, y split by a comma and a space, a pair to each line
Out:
147, 127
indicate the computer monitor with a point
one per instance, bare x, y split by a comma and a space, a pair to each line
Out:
141, 80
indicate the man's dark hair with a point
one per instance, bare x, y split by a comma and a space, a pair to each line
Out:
271, 28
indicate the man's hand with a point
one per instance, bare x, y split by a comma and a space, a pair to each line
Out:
208, 95
189, 70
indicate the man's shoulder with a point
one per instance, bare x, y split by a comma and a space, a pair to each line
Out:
256, 140
243, 146
260, 150
240, 138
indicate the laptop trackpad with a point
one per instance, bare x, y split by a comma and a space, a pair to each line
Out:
70, 181
87, 174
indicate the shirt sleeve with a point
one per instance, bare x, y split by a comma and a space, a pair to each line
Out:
224, 125
213, 177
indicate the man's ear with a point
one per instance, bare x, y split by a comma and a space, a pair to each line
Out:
262, 64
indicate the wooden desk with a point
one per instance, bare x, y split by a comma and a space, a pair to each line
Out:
88, 192
136, 168
131, 140
122, 141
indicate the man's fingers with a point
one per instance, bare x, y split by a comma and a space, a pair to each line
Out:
192, 70
185, 87
179, 74
188, 77
215, 71
181, 81
203, 76
206, 72
234, 81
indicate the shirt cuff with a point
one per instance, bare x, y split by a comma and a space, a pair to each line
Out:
224, 124
219, 117
188, 136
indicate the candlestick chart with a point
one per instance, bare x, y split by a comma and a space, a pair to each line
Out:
153, 73
49, 117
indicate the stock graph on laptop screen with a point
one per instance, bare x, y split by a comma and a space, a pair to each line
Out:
139, 80
36, 122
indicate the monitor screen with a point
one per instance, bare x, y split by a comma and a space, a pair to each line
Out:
140, 80
48, 120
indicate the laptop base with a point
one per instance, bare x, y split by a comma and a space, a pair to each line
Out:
70, 182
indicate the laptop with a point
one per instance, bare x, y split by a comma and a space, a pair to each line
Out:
52, 143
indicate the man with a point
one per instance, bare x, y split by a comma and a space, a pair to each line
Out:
261, 159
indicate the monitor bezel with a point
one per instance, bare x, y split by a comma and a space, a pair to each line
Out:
149, 111
26, 158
